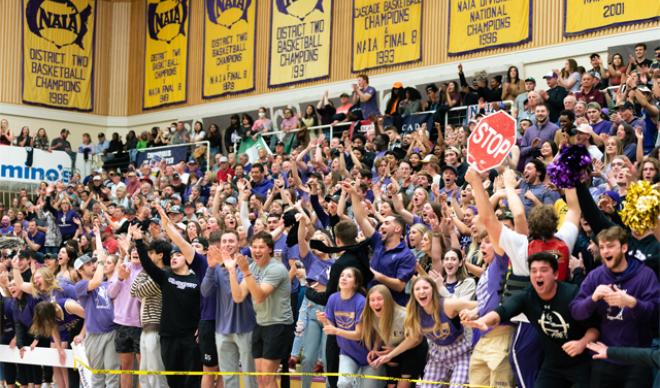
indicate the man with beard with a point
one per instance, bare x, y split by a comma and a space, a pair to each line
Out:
546, 305
392, 263
623, 295
533, 191
537, 134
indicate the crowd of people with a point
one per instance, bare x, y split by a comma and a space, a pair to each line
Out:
377, 252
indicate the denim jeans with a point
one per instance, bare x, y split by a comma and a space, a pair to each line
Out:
348, 365
313, 339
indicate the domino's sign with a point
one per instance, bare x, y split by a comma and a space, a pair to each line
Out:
46, 166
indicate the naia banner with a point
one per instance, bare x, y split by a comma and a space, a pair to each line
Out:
229, 47
476, 25
582, 16
58, 53
166, 52
299, 41
386, 33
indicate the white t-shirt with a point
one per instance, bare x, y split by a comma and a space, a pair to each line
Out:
515, 245
397, 331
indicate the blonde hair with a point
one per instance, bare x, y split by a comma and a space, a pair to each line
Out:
50, 282
370, 321
413, 322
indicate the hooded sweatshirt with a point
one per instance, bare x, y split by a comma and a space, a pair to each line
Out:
621, 326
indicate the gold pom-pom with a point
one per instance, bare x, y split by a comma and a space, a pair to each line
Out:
641, 208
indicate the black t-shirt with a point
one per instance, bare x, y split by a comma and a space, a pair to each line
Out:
552, 319
181, 297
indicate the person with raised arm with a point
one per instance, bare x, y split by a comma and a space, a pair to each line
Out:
92, 292
180, 313
392, 263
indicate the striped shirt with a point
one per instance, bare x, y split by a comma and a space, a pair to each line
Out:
150, 295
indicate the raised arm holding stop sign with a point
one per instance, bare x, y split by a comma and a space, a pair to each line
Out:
491, 141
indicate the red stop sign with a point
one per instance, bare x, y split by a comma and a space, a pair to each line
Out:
491, 141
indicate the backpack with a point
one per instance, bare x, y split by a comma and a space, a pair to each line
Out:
556, 247
512, 284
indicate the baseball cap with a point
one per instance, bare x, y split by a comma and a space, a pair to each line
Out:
175, 249
550, 75
175, 209
430, 159
231, 200
448, 167
97, 178
200, 240
614, 195
625, 105
38, 256
454, 150
530, 79
397, 84
585, 128
82, 260
192, 161
176, 196
223, 159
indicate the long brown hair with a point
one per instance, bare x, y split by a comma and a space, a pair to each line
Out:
370, 321
44, 320
413, 322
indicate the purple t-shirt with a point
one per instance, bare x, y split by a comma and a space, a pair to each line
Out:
370, 107
199, 266
490, 283
602, 127
398, 263
449, 328
346, 314
99, 312
318, 270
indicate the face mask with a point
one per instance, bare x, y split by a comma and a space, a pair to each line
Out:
262, 114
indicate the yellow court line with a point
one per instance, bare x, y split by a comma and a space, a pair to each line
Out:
77, 362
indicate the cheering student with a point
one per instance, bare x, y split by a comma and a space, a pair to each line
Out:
99, 331
430, 315
546, 305
342, 315
180, 314
623, 295
235, 320
266, 280
379, 328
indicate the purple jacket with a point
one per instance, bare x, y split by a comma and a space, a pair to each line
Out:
621, 326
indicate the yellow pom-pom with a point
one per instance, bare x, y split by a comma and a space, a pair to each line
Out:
641, 208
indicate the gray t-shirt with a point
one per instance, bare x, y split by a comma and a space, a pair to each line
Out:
276, 309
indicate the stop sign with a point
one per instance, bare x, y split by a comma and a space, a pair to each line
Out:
491, 141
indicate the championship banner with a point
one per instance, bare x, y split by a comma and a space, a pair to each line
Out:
386, 33
171, 155
476, 25
581, 17
58, 53
166, 53
300, 33
229, 47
